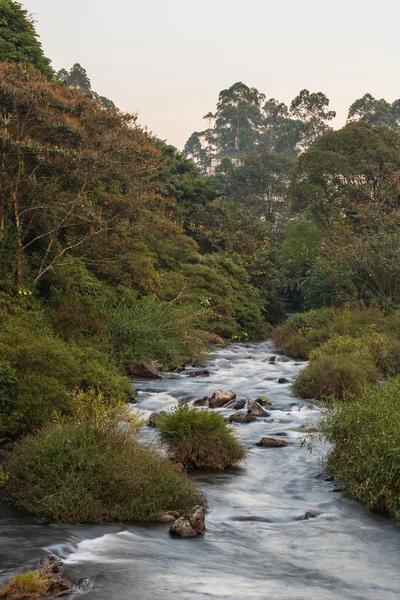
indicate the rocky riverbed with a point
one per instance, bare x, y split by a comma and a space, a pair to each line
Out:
273, 530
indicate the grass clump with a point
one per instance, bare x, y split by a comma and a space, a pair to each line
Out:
33, 584
365, 438
200, 438
338, 376
91, 469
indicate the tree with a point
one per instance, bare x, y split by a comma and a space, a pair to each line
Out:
311, 109
19, 41
238, 118
77, 77
347, 172
375, 112
260, 185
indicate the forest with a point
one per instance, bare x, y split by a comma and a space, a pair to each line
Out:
115, 247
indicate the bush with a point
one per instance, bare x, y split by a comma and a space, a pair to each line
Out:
31, 584
152, 329
47, 371
92, 470
338, 376
200, 438
366, 446
382, 350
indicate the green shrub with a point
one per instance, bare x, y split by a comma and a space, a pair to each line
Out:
32, 584
337, 375
200, 438
382, 350
152, 329
47, 370
366, 446
92, 470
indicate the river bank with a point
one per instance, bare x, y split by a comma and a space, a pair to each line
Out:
257, 543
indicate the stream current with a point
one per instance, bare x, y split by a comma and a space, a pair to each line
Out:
257, 546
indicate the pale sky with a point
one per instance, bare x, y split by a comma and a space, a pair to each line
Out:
168, 59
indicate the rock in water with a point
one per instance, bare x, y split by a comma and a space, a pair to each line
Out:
155, 417
197, 519
264, 401
201, 373
258, 411
241, 417
240, 404
144, 369
220, 399
201, 401
283, 380
191, 524
268, 442
182, 528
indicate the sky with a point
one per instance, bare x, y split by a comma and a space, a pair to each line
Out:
168, 60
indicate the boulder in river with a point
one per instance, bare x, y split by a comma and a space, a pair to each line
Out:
264, 401
191, 524
155, 417
268, 442
221, 398
240, 404
200, 373
144, 369
283, 380
257, 411
201, 401
241, 417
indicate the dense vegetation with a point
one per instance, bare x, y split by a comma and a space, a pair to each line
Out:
200, 438
366, 446
114, 248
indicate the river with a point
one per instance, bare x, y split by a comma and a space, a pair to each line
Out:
256, 545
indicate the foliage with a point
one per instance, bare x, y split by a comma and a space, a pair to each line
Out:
200, 438
32, 584
365, 452
47, 370
375, 112
335, 376
151, 329
92, 470
18, 39
77, 78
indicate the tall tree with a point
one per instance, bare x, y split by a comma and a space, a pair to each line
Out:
376, 112
237, 119
312, 110
77, 77
19, 41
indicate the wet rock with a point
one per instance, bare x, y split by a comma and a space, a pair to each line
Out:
268, 442
182, 528
201, 373
221, 398
271, 359
201, 401
191, 524
155, 418
324, 477
257, 411
197, 519
144, 369
240, 404
283, 380
281, 434
241, 417
264, 401
311, 514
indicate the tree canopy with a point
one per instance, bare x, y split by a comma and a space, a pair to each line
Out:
19, 41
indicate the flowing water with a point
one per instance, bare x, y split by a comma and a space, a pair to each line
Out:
257, 545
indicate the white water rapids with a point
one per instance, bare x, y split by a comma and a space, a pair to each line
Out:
255, 548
